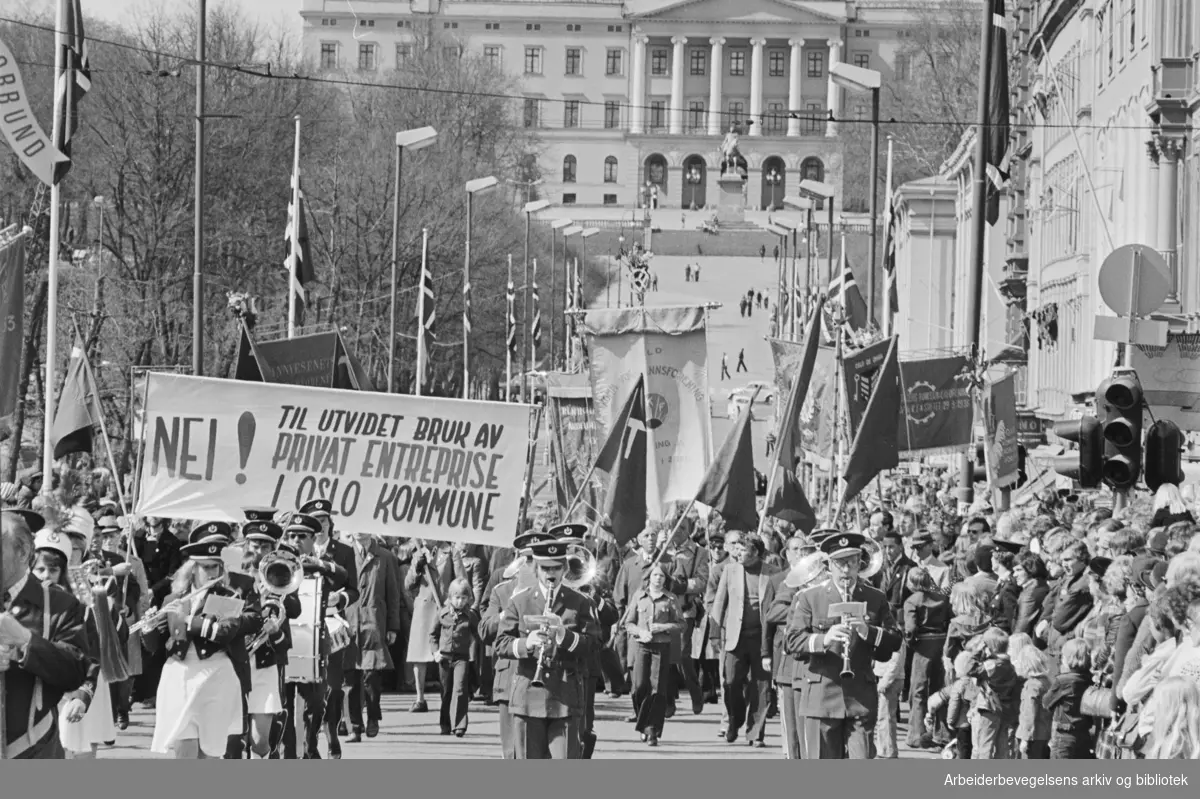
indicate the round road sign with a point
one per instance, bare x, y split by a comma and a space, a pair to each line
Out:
1134, 280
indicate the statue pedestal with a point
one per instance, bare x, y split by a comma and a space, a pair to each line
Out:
731, 200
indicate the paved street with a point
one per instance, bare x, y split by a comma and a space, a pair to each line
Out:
405, 735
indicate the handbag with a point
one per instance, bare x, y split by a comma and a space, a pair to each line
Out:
1097, 702
1121, 741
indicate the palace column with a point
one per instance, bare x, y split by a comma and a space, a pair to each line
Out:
676, 110
637, 84
835, 56
715, 74
756, 85
794, 92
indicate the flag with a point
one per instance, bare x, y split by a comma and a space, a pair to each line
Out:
426, 314
876, 445
249, 364
889, 264
466, 305
788, 501
78, 407
845, 294
623, 458
997, 128
72, 83
12, 329
298, 247
729, 484
535, 330
511, 322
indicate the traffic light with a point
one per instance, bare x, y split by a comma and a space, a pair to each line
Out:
1119, 406
1087, 464
1164, 454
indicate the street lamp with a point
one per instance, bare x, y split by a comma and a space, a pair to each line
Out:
415, 139
693, 179
555, 226
530, 209
474, 187
773, 179
859, 79
816, 190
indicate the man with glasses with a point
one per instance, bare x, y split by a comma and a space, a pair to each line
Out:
1069, 600
839, 712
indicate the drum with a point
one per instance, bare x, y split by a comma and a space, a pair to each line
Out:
304, 659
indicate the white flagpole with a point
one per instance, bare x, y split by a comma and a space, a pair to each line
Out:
421, 354
292, 262
52, 274
887, 214
508, 312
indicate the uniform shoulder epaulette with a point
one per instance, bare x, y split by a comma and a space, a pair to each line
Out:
520, 591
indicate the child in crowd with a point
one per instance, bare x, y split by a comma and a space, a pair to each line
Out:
1035, 721
455, 637
997, 704
1071, 738
957, 698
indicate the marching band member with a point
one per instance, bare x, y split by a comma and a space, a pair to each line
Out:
200, 694
45, 651
328, 547
839, 709
264, 704
572, 534
300, 533
545, 695
518, 575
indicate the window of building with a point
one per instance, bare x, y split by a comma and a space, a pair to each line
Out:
776, 63
403, 53
1132, 24
574, 61
366, 57
610, 199
614, 28
533, 61
816, 65
573, 28
329, 53
366, 23
903, 67
699, 61
696, 114
571, 114
492, 54
660, 59
532, 27
737, 63
569, 169
451, 52
403, 23
861, 110
491, 26
450, 25
327, 22
612, 62
736, 110
776, 117
610, 169
568, 199
814, 117
862, 60
612, 114
533, 112
862, 34
658, 113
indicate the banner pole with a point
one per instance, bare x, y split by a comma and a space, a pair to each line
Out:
532, 451
421, 354
292, 276
508, 320
52, 273
658, 553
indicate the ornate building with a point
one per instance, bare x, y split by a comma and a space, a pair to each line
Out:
626, 96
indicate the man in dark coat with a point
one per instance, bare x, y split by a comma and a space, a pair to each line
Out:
374, 624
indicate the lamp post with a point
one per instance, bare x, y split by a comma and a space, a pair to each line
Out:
477, 186
530, 209
816, 190
555, 226
693, 179
859, 79
781, 283
415, 139
773, 180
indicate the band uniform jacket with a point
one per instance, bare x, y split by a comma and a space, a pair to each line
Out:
730, 601
58, 660
489, 626
342, 555
210, 636
817, 671
375, 613
275, 651
562, 695
775, 607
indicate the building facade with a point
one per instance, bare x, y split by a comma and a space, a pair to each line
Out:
631, 100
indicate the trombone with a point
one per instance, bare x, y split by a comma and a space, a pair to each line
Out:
279, 575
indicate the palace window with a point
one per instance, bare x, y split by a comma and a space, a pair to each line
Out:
862, 60
571, 114
737, 110
816, 65
612, 62
612, 114
903, 67
699, 60
658, 113
776, 63
533, 61
574, 61
696, 114
610, 169
610, 199
776, 117
660, 60
533, 112
814, 113
569, 165
491, 54
737, 63
329, 55
403, 54
366, 57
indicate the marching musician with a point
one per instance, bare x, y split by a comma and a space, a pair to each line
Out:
328, 547
264, 704
44, 647
518, 575
839, 710
200, 701
546, 717
776, 606
301, 532
573, 534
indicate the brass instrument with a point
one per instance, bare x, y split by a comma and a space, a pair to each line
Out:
581, 567
279, 575
151, 619
813, 569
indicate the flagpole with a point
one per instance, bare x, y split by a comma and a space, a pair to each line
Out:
422, 355
887, 214
537, 429
94, 389
466, 324
52, 268
508, 310
292, 276
198, 201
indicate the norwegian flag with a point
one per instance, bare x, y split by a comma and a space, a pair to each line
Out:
298, 262
535, 329
511, 321
467, 305
889, 264
845, 294
426, 308
72, 83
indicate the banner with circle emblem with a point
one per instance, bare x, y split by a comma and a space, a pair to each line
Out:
668, 346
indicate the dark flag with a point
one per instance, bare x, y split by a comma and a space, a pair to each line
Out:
844, 292
788, 501
426, 318
623, 458
876, 445
78, 407
998, 111
12, 332
728, 486
889, 264
298, 247
72, 83
511, 322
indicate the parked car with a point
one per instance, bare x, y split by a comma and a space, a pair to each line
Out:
740, 398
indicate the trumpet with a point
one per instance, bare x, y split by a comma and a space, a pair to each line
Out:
151, 619
279, 575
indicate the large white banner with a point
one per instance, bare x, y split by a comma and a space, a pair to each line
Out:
442, 469
669, 347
